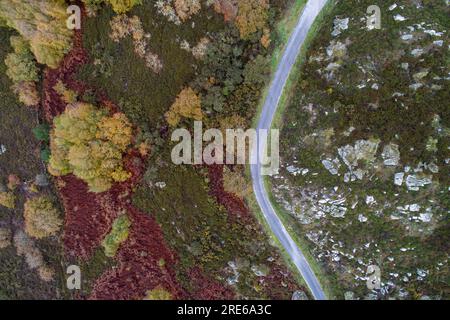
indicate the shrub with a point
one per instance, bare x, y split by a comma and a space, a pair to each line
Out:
67, 95
46, 273
45, 154
8, 200
119, 233
5, 238
90, 144
42, 132
41, 217
13, 181
26, 248
187, 104
42, 24
159, 294
122, 6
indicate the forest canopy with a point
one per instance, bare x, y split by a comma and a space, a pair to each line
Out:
89, 143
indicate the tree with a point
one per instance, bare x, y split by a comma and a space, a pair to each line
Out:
187, 8
119, 6
42, 24
27, 93
122, 6
187, 104
42, 132
22, 70
20, 63
5, 238
41, 217
8, 200
252, 16
87, 142
119, 233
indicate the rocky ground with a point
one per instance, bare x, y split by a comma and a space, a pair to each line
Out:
367, 182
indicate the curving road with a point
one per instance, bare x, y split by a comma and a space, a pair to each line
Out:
309, 14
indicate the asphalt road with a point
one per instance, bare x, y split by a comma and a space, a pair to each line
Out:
309, 14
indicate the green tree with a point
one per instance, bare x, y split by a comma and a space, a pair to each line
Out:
119, 233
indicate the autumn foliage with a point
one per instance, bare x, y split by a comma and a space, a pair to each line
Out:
42, 24
187, 104
23, 72
252, 16
7, 199
87, 142
41, 217
186, 8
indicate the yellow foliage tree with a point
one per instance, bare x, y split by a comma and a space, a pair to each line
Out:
90, 144
252, 16
188, 105
41, 217
8, 200
43, 24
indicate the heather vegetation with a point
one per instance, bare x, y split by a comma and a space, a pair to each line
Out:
209, 71
29, 268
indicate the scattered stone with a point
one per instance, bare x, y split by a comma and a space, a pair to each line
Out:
392, 7
406, 37
414, 183
332, 165
420, 75
417, 52
299, 295
362, 218
426, 217
391, 155
160, 185
362, 150
399, 17
398, 178
260, 270
370, 200
339, 26
416, 86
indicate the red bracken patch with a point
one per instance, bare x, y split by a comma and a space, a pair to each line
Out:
207, 289
139, 266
